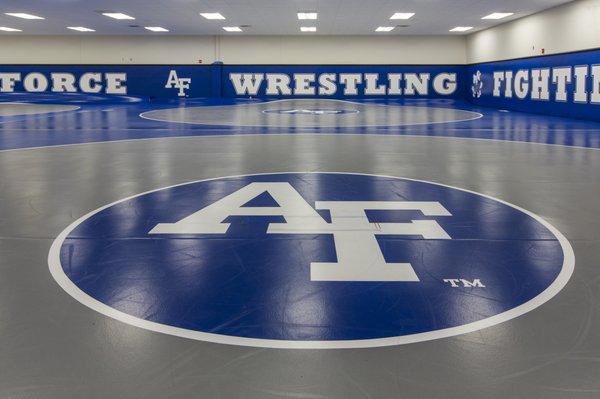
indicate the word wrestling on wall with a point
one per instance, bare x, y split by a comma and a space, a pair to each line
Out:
347, 84
339, 81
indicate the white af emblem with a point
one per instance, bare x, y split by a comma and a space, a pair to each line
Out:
173, 81
359, 257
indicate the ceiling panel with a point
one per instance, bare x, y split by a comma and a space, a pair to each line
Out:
263, 17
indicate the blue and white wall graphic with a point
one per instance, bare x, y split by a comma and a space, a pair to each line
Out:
343, 81
136, 80
311, 260
563, 85
217, 80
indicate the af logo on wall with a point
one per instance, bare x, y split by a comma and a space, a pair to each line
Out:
175, 82
311, 260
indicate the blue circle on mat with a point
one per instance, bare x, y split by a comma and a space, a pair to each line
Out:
249, 286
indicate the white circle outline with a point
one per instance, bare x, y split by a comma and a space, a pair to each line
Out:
66, 284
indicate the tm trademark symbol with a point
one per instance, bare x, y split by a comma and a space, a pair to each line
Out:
460, 282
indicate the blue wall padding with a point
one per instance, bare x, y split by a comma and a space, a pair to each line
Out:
474, 83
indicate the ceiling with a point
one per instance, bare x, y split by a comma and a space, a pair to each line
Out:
264, 17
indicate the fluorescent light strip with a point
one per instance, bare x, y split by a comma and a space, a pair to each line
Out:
461, 29
80, 29
402, 15
384, 29
307, 15
156, 28
117, 15
232, 28
498, 15
212, 15
308, 29
5, 29
22, 15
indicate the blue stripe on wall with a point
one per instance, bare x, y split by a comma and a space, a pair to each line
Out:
475, 83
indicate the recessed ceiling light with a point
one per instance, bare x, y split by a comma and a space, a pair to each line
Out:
402, 15
5, 29
117, 15
307, 15
156, 28
308, 29
232, 28
384, 29
212, 15
80, 29
461, 29
23, 15
498, 15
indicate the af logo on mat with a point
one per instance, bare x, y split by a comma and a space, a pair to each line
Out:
311, 260
316, 112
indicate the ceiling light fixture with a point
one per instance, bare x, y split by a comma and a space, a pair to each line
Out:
232, 29
156, 28
80, 29
384, 29
22, 15
402, 15
461, 29
498, 15
308, 29
212, 15
5, 29
307, 15
117, 15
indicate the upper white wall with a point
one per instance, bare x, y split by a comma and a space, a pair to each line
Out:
343, 50
393, 49
20, 49
571, 27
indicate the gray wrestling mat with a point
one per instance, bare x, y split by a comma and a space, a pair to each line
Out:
16, 109
53, 347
